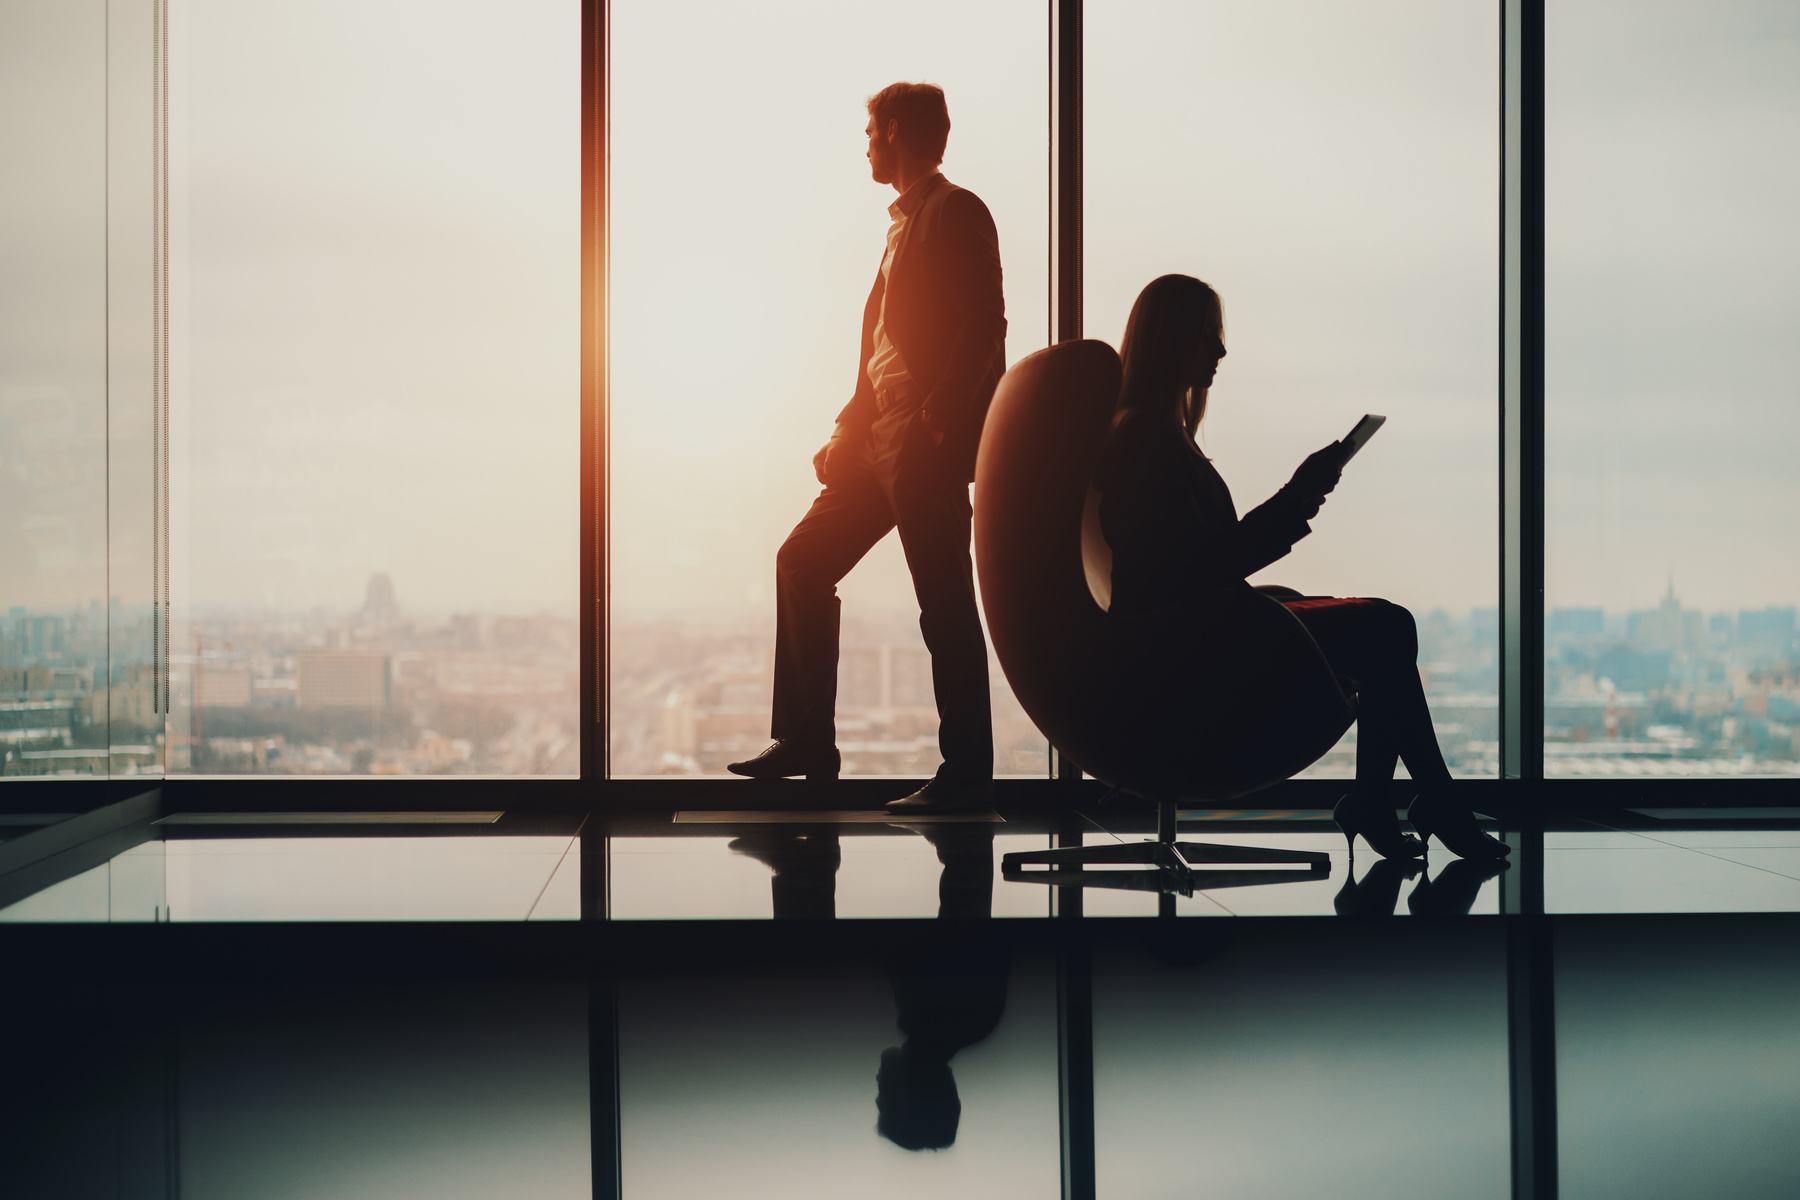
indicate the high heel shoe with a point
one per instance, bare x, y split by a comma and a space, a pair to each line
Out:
1372, 815
1434, 814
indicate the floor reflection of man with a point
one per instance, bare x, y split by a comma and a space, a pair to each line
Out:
804, 865
949, 979
949, 990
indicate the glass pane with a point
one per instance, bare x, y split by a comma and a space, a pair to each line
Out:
451, 1090
1677, 1060
745, 233
1331, 169
1355, 1060
53, 418
518, 877
1676, 861
930, 1072
345, 1085
1672, 388
375, 386
855, 869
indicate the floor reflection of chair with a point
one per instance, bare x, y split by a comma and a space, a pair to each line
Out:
1206, 704
1171, 873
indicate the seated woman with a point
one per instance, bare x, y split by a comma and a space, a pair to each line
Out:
1175, 533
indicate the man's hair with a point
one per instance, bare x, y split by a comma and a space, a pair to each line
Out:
920, 109
916, 1104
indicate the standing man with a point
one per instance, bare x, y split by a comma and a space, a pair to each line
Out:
903, 453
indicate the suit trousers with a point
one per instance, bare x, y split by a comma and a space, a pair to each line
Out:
902, 480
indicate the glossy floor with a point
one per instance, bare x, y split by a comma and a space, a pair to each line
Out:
1250, 1060
395, 878
759, 866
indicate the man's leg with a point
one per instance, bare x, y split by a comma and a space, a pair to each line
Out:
805, 871
848, 518
932, 508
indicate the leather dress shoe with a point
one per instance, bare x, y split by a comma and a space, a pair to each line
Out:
788, 757
944, 796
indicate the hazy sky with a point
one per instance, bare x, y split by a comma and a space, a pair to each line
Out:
375, 231
376, 296
1673, 372
52, 303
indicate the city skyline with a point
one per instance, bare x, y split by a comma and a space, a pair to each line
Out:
1665, 690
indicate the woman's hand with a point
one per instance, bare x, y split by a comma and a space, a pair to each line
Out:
1316, 478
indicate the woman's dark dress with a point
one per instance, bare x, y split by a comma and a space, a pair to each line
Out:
1174, 532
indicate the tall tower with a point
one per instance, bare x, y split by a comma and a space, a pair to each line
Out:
379, 606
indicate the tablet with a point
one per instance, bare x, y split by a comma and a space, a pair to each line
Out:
1365, 429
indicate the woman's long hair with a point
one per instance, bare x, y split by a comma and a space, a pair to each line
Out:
1171, 314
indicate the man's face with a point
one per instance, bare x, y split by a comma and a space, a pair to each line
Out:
881, 154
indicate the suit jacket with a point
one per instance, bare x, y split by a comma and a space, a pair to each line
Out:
1171, 522
947, 317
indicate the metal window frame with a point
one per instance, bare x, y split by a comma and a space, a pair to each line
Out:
1520, 411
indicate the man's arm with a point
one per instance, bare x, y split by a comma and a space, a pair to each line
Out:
856, 417
980, 339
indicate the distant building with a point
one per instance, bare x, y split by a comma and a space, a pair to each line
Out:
1577, 622
36, 724
885, 677
343, 681
275, 693
223, 687
1770, 625
678, 727
379, 605
909, 677
465, 631
1668, 626
519, 632
42, 683
861, 676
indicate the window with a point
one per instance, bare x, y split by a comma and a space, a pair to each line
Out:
1672, 389
1332, 171
374, 387
745, 231
56, 612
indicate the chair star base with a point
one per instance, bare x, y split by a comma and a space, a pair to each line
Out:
1171, 862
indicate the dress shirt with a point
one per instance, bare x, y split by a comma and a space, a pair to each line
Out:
887, 370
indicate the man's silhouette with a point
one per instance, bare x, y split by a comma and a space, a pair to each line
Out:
903, 453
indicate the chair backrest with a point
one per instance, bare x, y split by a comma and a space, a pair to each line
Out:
1207, 701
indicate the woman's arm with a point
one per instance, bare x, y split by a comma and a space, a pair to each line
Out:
1270, 530
1267, 533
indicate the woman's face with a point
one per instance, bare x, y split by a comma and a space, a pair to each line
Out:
1203, 362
